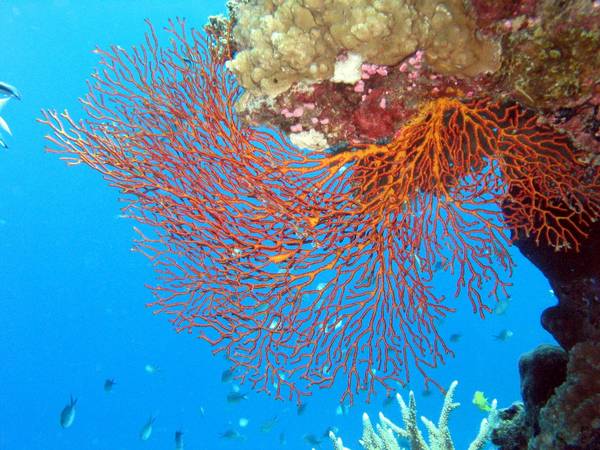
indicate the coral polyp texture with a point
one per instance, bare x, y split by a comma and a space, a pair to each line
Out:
283, 42
317, 268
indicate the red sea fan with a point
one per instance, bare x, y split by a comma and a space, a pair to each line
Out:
307, 268
161, 128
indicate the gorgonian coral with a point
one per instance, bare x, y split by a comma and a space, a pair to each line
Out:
307, 268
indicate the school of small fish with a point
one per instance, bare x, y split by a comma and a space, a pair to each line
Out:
233, 397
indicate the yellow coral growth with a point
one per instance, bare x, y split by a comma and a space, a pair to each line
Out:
287, 41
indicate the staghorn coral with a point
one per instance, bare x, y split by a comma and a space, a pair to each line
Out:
385, 435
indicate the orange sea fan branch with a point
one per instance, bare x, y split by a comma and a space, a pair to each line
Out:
307, 269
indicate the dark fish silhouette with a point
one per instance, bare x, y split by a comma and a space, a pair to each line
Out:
301, 408
9, 90
232, 435
455, 337
108, 384
312, 439
179, 440
227, 375
236, 397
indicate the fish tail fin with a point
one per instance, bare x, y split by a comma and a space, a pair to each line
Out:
3, 101
5, 126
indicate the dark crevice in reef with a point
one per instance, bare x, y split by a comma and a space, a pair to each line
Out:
560, 386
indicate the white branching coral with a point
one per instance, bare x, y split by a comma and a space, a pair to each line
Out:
386, 433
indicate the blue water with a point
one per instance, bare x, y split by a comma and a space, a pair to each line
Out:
72, 294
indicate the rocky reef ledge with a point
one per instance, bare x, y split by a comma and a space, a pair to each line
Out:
560, 386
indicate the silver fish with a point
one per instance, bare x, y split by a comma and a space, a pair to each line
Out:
67, 415
504, 335
3, 125
3, 102
10, 90
146, 431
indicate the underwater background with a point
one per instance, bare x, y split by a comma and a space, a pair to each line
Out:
73, 295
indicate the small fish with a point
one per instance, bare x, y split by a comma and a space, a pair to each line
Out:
190, 60
301, 408
274, 323
9, 90
389, 400
146, 430
67, 415
282, 439
243, 422
502, 306
342, 409
504, 335
426, 392
232, 435
179, 440
236, 397
455, 337
441, 265
480, 400
108, 384
417, 261
261, 308
312, 439
227, 375
268, 425
5, 126
149, 368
